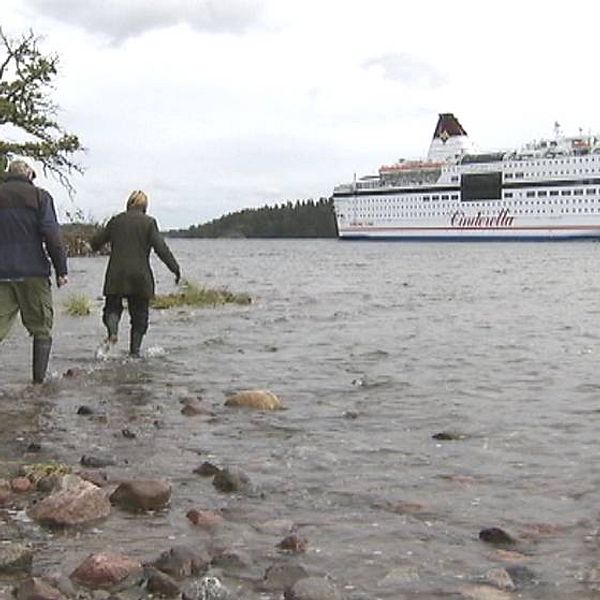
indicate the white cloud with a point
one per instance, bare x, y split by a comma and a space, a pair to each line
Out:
119, 20
209, 121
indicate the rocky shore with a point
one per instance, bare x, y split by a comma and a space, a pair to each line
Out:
61, 499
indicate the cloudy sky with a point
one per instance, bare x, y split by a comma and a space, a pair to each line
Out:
212, 106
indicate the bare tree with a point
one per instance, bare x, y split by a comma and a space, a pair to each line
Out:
25, 106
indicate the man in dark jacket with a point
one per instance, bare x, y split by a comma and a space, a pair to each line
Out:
131, 234
29, 232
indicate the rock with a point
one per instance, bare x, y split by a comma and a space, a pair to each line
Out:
85, 411
37, 589
501, 579
231, 558
313, 588
484, 592
34, 447
105, 570
182, 561
77, 502
258, 399
496, 536
232, 480
15, 558
20, 485
293, 543
280, 577
160, 583
48, 483
128, 434
521, 575
206, 469
142, 494
193, 408
97, 462
448, 436
206, 519
208, 588
99, 478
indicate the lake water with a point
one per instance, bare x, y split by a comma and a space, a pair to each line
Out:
373, 348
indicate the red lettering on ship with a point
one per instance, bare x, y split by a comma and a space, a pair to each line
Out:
502, 219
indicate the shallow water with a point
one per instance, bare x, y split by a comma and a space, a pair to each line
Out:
373, 348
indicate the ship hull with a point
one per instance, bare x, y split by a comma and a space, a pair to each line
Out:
441, 234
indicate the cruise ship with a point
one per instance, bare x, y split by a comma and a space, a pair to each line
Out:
547, 190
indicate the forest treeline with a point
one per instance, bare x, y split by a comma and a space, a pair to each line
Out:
302, 219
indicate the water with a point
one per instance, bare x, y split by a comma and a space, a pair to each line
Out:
373, 348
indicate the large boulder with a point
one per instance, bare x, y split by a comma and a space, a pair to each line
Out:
77, 502
257, 399
142, 494
106, 570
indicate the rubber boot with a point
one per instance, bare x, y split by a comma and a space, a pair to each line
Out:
135, 341
41, 356
111, 321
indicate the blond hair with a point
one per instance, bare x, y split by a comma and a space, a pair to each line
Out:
137, 199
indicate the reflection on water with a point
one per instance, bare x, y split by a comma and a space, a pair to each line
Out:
373, 348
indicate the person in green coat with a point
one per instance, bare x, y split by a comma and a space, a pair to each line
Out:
131, 235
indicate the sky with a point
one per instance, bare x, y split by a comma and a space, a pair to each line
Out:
213, 106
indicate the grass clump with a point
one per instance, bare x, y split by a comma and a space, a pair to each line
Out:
78, 305
192, 294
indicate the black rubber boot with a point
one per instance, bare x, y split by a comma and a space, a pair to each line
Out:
41, 356
135, 342
111, 321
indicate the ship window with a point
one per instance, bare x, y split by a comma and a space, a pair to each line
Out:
530, 194
554, 192
508, 176
565, 193
542, 193
508, 194
445, 197
481, 186
519, 175
578, 192
590, 191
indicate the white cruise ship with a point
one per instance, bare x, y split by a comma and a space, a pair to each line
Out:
547, 190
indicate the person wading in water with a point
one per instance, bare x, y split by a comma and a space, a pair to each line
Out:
131, 235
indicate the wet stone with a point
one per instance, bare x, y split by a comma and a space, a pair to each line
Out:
77, 502
496, 536
37, 589
206, 469
15, 558
313, 588
232, 480
160, 583
293, 543
448, 436
85, 411
105, 570
231, 558
256, 399
280, 577
97, 462
182, 561
142, 494
206, 519
208, 588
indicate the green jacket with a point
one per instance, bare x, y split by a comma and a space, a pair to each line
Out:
132, 234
